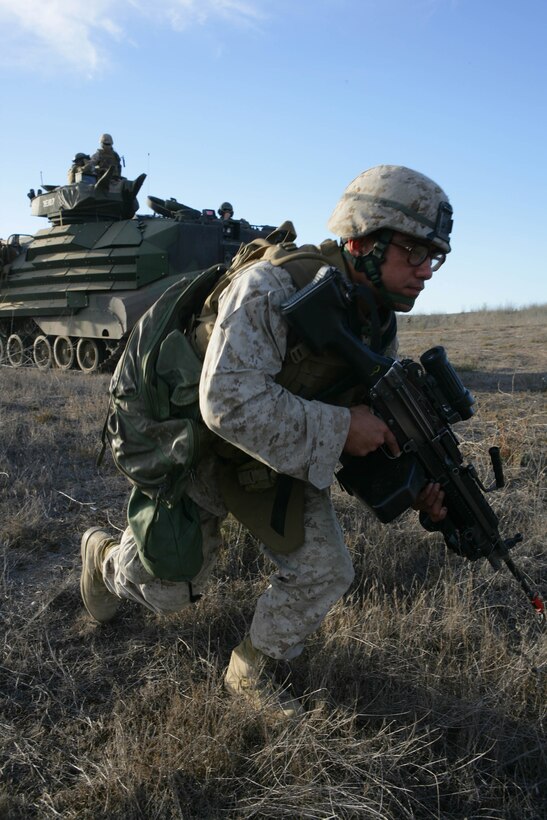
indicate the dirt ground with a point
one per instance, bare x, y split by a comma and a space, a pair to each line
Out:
497, 350
425, 686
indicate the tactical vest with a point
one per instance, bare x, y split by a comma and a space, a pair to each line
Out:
270, 505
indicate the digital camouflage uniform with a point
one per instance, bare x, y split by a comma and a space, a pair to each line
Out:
241, 401
106, 157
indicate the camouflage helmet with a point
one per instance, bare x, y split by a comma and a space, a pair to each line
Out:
397, 198
80, 157
106, 139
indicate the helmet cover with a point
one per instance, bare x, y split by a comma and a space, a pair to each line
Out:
394, 197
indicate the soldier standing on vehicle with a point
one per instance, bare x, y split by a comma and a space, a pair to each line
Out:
394, 225
105, 157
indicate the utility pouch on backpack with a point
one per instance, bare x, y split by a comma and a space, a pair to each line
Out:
178, 369
168, 538
153, 424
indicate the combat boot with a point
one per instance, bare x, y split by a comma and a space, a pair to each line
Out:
247, 678
101, 604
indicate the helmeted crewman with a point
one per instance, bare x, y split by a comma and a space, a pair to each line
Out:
105, 157
80, 163
226, 211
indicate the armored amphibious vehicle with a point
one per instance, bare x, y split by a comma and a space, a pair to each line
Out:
70, 294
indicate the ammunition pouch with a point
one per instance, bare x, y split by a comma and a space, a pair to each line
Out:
269, 505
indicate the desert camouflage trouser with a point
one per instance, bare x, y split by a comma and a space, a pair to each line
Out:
126, 577
302, 590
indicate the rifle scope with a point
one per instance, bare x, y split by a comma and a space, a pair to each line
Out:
459, 399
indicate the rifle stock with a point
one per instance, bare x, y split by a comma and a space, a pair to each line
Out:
419, 403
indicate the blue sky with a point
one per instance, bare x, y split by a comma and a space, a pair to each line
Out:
278, 106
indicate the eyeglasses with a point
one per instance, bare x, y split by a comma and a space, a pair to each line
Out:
417, 254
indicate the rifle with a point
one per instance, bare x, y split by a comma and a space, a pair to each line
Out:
419, 402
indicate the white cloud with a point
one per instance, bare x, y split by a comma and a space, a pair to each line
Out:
80, 34
181, 14
51, 32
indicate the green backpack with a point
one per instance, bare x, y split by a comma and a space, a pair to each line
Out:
152, 428
153, 423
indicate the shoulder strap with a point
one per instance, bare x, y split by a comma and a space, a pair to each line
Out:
279, 249
255, 250
303, 263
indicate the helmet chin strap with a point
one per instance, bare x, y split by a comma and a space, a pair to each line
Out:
371, 263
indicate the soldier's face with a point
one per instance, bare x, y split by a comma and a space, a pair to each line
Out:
398, 275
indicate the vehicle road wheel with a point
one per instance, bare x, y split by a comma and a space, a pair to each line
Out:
63, 352
2, 350
42, 353
15, 350
88, 355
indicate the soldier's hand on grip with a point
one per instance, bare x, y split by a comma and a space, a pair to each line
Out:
431, 502
367, 433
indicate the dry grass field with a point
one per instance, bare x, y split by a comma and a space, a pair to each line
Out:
424, 688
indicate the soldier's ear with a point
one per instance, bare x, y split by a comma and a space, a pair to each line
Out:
356, 245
